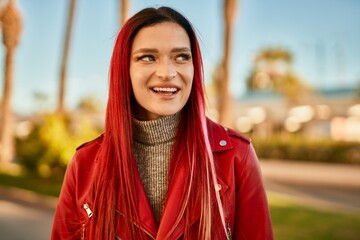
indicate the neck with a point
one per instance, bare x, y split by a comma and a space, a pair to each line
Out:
152, 132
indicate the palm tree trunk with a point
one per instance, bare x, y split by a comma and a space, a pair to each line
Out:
11, 31
64, 62
225, 117
124, 11
6, 131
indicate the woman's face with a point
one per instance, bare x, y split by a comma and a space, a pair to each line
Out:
161, 70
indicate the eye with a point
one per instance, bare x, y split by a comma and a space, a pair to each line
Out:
146, 58
183, 57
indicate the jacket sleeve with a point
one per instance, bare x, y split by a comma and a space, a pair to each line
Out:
66, 220
252, 217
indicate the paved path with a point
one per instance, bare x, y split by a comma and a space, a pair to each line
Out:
329, 186
334, 175
24, 220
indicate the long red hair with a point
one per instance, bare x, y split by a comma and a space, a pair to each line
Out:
114, 180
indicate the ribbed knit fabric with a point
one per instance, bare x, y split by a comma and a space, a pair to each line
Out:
153, 143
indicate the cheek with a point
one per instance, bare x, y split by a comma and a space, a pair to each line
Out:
190, 76
138, 78
187, 74
140, 73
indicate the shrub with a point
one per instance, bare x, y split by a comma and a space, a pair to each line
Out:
52, 142
304, 149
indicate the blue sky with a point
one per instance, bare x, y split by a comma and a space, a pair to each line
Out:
323, 35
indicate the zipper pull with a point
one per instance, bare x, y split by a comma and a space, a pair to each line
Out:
83, 232
88, 210
228, 228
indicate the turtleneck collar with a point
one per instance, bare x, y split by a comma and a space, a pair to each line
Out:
153, 132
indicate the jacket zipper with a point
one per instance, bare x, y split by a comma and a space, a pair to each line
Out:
137, 226
83, 232
228, 228
144, 231
119, 238
89, 213
88, 210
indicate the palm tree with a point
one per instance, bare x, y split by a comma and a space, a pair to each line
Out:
11, 29
64, 61
272, 70
124, 6
224, 99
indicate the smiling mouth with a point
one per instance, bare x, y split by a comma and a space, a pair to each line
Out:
165, 91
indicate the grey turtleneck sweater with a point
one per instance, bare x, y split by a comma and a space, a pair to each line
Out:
153, 143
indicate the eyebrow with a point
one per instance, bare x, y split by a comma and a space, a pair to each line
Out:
154, 50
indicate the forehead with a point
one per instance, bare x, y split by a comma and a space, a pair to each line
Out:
167, 34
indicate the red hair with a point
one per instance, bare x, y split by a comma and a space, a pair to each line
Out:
114, 181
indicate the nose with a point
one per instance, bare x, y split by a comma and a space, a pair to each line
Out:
166, 70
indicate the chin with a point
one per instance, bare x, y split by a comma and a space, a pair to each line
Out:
167, 113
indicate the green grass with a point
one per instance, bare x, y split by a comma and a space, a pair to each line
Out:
294, 221
291, 220
43, 186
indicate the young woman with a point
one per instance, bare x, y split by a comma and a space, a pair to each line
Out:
161, 170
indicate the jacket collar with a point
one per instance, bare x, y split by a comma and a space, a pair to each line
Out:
218, 137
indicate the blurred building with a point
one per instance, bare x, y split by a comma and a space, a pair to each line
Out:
330, 113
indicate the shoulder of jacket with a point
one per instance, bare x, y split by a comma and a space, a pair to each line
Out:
213, 126
236, 134
97, 140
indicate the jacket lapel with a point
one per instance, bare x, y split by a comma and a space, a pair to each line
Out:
219, 141
146, 218
173, 204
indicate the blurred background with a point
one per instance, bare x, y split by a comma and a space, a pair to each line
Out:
285, 73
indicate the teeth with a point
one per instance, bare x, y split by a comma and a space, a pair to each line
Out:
160, 89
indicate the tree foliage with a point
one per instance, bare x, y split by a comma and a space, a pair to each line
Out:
272, 70
51, 143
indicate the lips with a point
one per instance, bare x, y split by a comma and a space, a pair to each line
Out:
165, 90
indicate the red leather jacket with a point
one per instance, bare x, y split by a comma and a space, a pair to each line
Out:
240, 186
